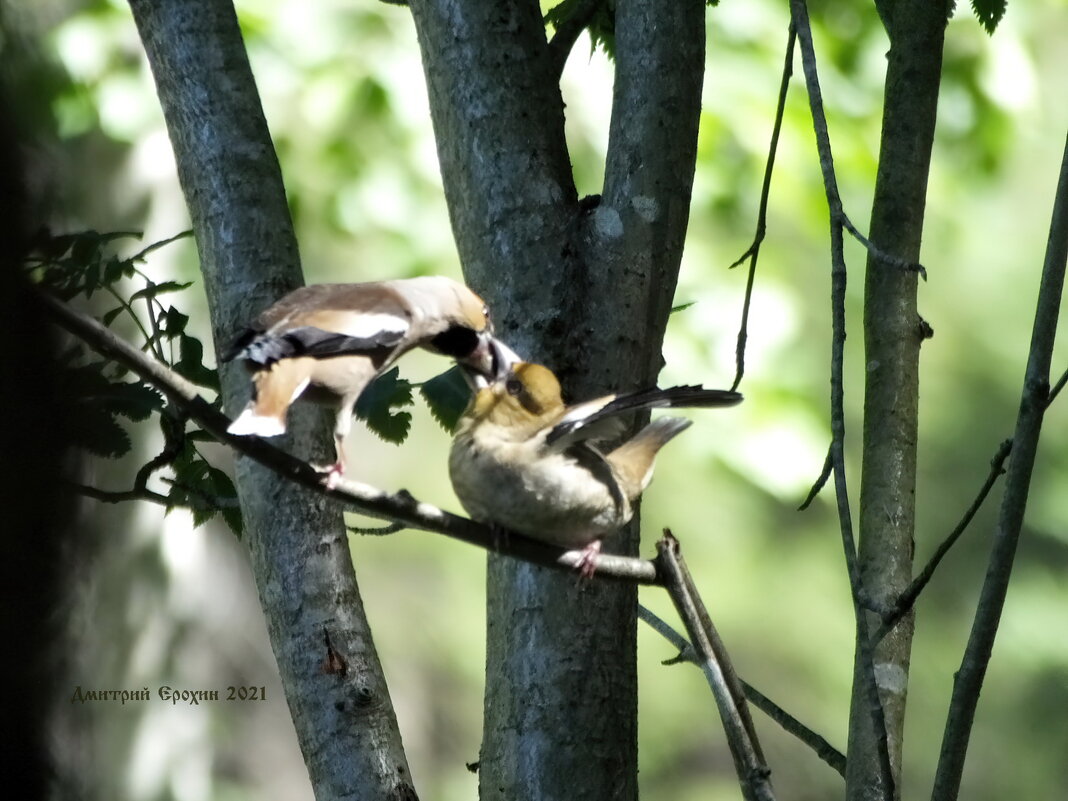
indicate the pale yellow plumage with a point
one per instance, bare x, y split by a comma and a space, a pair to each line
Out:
523, 460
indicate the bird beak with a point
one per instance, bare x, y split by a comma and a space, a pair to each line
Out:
489, 362
502, 359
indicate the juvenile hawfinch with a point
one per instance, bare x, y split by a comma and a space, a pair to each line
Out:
327, 342
523, 460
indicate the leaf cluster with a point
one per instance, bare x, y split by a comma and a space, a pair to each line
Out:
108, 399
105, 399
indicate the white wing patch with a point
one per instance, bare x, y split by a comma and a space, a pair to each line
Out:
368, 324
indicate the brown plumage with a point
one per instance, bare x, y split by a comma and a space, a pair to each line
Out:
327, 342
523, 460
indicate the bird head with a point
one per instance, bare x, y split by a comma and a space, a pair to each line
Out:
521, 400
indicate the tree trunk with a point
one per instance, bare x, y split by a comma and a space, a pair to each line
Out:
893, 332
585, 288
297, 540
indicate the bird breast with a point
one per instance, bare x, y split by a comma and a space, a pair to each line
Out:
526, 488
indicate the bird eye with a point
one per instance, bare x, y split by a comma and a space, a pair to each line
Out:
514, 386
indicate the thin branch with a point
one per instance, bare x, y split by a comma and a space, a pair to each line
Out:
753, 252
821, 480
400, 506
865, 645
1033, 403
912, 592
567, 33
119, 496
742, 740
376, 531
1053, 393
882, 255
823, 749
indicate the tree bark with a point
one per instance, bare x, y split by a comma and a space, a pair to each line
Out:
585, 288
297, 542
893, 332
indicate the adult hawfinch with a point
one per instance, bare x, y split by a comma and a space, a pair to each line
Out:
327, 342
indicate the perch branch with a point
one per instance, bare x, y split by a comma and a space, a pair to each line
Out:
399, 507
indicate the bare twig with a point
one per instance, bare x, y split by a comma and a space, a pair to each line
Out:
865, 645
825, 473
908, 597
1033, 403
1053, 393
753, 253
726, 688
119, 496
400, 507
823, 749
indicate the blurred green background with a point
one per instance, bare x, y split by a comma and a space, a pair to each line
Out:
343, 91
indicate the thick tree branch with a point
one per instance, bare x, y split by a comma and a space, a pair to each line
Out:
587, 291
1033, 404
893, 334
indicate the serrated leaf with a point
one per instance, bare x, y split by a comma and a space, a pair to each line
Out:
96, 431
447, 395
989, 13
113, 270
110, 316
374, 406
174, 322
134, 401
201, 514
191, 363
162, 288
223, 490
84, 246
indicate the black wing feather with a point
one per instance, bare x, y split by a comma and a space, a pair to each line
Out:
654, 398
265, 349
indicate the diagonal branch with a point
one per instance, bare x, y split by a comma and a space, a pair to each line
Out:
712, 657
823, 749
1033, 403
908, 598
400, 506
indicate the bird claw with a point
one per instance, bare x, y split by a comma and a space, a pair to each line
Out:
332, 473
587, 563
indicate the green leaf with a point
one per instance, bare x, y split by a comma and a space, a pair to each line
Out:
152, 290
134, 401
174, 322
989, 13
375, 404
447, 395
191, 363
109, 318
93, 429
222, 488
682, 307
